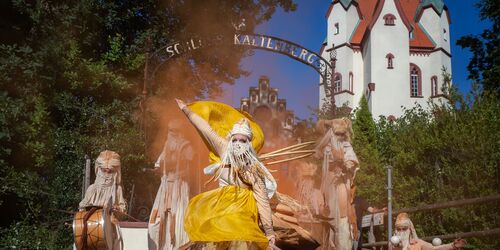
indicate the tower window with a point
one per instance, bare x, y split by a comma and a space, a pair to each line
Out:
351, 82
389, 19
337, 83
434, 86
411, 35
337, 30
444, 34
390, 64
415, 81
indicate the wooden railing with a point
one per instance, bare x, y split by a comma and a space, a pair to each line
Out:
449, 204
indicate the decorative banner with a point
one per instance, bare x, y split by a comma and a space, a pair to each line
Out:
284, 47
257, 41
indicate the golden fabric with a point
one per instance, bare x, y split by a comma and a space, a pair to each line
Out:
221, 118
225, 214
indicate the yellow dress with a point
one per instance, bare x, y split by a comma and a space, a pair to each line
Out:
227, 213
227, 217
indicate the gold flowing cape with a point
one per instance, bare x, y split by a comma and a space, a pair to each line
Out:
221, 117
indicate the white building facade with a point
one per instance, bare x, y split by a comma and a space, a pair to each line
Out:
391, 51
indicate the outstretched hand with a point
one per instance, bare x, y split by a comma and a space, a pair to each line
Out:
272, 243
180, 103
459, 243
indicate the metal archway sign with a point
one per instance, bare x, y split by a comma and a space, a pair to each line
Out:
255, 41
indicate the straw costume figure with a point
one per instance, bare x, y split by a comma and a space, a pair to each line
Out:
228, 217
107, 191
166, 221
410, 241
340, 165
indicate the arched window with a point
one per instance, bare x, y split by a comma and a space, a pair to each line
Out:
337, 83
389, 19
390, 64
415, 81
273, 98
244, 107
434, 85
351, 82
337, 29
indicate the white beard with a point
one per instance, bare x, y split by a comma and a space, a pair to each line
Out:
239, 155
172, 143
405, 238
104, 179
240, 148
243, 157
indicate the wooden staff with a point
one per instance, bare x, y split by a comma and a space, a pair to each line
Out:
290, 148
290, 159
270, 156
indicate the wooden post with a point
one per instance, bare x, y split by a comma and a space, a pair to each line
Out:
389, 202
86, 176
131, 201
144, 95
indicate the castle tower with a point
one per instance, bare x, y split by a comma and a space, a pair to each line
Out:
391, 51
268, 110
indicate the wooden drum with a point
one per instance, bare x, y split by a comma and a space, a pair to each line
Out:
92, 229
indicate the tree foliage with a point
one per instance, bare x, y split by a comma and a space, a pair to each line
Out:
70, 76
484, 66
371, 177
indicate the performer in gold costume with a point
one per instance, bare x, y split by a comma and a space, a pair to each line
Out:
228, 217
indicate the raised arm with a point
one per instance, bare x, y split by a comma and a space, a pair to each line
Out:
218, 143
459, 243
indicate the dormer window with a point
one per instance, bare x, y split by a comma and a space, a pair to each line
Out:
389, 19
337, 30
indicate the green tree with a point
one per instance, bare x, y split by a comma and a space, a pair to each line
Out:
371, 176
70, 75
484, 66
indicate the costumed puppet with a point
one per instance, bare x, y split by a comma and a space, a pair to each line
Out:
229, 216
166, 222
408, 239
106, 191
338, 173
